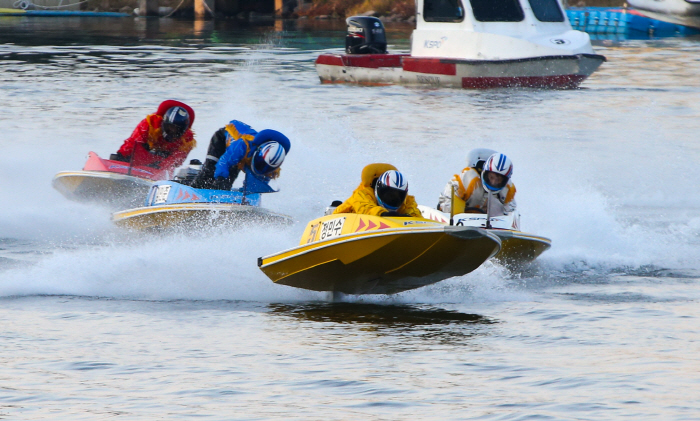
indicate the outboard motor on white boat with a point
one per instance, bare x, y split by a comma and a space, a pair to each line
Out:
186, 175
365, 36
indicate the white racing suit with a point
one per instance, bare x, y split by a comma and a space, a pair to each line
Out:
468, 186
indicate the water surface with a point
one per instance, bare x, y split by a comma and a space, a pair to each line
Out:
98, 323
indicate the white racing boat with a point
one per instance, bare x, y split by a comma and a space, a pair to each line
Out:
469, 44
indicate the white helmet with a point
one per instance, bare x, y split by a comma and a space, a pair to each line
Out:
497, 172
268, 157
391, 190
477, 157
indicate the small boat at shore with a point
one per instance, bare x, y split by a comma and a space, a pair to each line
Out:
469, 44
366, 254
172, 205
114, 183
517, 247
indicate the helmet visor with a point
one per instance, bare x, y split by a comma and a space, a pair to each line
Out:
172, 131
390, 196
494, 180
261, 167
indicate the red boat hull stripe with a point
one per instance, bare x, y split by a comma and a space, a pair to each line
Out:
433, 66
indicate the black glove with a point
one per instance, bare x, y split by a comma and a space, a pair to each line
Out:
118, 157
395, 214
162, 154
221, 183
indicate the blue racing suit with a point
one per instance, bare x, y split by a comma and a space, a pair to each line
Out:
231, 150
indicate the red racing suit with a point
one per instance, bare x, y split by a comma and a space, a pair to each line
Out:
148, 146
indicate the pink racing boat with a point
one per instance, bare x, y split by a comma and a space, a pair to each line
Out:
113, 183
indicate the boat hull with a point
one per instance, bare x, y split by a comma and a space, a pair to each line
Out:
113, 183
517, 248
112, 189
196, 215
397, 257
560, 72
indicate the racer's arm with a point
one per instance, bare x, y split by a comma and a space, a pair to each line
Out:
233, 155
176, 157
468, 185
510, 196
509, 204
140, 135
362, 201
410, 207
445, 199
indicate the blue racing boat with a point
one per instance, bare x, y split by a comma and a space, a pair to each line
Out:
172, 204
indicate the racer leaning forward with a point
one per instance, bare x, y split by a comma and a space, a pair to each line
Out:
382, 192
488, 172
238, 147
161, 140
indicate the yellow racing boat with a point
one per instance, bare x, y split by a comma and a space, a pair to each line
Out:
366, 254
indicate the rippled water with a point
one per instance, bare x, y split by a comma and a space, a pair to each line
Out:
97, 323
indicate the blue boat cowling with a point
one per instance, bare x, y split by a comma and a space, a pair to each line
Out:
623, 21
173, 192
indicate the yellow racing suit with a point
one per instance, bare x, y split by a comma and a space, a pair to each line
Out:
363, 201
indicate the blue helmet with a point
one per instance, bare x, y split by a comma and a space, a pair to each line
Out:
267, 158
175, 122
391, 190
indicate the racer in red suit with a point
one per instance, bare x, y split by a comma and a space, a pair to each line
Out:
161, 140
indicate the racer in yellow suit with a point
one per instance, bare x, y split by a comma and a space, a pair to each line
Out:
382, 192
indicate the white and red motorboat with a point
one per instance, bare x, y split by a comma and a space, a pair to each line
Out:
469, 44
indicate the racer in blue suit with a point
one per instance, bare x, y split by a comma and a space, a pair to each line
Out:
238, 147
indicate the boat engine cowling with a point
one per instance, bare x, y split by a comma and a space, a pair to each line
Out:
187, 175
365, 36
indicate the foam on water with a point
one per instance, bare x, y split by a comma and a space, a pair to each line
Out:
609, 205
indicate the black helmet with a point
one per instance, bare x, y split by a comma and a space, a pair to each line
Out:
175, 122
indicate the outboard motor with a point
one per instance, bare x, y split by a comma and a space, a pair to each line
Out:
365, 36
186, 175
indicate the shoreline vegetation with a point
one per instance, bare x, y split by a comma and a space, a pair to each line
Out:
391, 10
